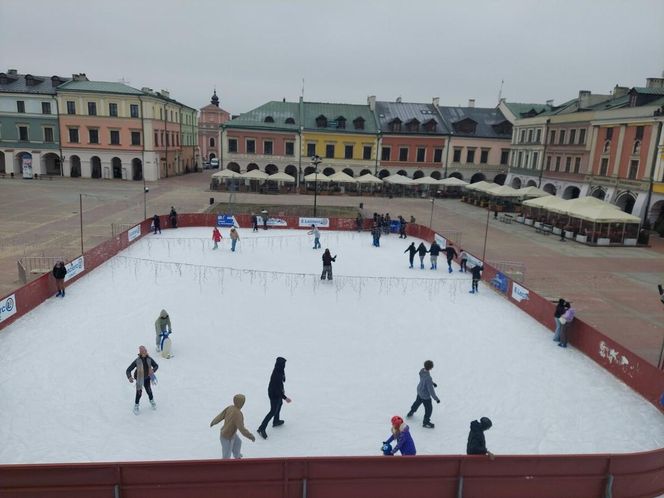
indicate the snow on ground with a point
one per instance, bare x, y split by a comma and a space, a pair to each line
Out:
354, 348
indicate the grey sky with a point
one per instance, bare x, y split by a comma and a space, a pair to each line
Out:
255, 51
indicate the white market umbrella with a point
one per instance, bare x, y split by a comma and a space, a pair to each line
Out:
369, 178
281, 177
426, 180
453, 181
398, 180
568, 205
227, 173
255, 174
504, 191
342, 177
320, 178
532, 191
481, 186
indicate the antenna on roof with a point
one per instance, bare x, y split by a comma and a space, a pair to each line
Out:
124, 81
500, 91
302, 94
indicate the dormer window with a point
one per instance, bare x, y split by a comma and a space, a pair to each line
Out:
358, 123
3, 79
395, 125
466, 125
413, 125
290, 121
341, 122
268, 119
430, 126
503, 128
321, 121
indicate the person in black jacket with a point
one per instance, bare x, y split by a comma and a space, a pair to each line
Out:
254, 222
661, 292
156, 224
173, 218
327, 265
476, 273
421, 252
145, 368
402, 228
434, 251
451, 254
476, 442
277, 395
59, 272
411, 250
560, 311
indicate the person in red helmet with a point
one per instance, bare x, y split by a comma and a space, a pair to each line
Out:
401, 432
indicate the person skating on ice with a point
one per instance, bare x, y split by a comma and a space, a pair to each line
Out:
277, 395
411, 250
216, 237
316, 233
434, 251
143, 369
162, 328
451, 254
463, 261
421, 252
233, 422
425, 392
476, 274
476, 442
254, 222
327, 264
156, 224
401, 433
402, 227
235, 236
375, 233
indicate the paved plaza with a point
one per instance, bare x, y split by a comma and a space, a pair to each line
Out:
614, 289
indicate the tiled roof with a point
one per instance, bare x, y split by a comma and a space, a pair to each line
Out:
17, 83
406, 111
485, 117
277, 110
99, 86
649, 91
350, 112
521, 110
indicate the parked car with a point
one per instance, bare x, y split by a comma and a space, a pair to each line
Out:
214, 163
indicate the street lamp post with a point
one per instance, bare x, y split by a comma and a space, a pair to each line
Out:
80, 212
316, 160
486, 232
433, 201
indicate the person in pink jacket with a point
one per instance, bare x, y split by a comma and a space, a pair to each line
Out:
565, 322
216, 237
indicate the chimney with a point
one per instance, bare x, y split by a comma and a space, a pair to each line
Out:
654, 82
584, 97
471, 102
145, 89
79, 77
549, 102
165, 93
619, 91
436, 101
371, 101
13, 72
399, 100
502, 100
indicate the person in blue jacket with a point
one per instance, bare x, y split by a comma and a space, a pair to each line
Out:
401, 433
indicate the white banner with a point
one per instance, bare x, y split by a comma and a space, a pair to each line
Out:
7, 307
74, 268
442, 241
134, 232
319, 222
519, 293
272, 222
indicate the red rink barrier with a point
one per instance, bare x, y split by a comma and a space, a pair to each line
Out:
619, 476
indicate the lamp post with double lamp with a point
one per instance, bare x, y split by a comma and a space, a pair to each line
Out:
315, 160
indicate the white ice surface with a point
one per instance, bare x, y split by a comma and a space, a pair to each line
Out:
354, 349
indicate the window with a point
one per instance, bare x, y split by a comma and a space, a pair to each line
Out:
504, 155
633, 169
290, 121
366, 152
161, 113
48, 135
156, 139
484, 156
577, 165
568, 164
115, 137
558, 163
20, 106
420, 154
23, 133
358, 123
437, 155
637, 147
385, 153
92, 108
530, 136
341, 123
639, 133
403, 153
582, 136
548, 163
73, 135
456, 156
71, 107
538, 136
321, 121
552, 137
135, 138
561, 140
251, 146
348, 152
93, 136
113, 110
535, 160
519, 163
290, 148
212, 142
162, 138
329, 151
311, 150
133, 110
232, 145
268, 119
523, 136
46, 108
604, 166
267, 147
470, 156
572, 136
609, 133
607, 147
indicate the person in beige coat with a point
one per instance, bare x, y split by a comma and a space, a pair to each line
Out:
233, 422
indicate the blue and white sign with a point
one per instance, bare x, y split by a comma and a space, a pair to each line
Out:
273, 222
7, 307
226, 220
134, 232
500, 282
319, 222
519, 293
74, 268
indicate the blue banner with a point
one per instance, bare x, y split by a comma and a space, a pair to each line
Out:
226, 220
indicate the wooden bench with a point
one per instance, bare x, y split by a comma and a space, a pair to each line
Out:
544, 229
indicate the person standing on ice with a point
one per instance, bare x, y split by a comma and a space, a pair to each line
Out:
216, 237
316, 233
425, 391
434, 251
235, 236
476, 442
401, 433
411, 250
156, 224
327, 264
463, 261
451, 254
173, 218
59, 273
277, 395
476, 274
422, 251
402, 227
565, 322
560, 311
375, 233
145, 368
233, 422
162, 328
254, 222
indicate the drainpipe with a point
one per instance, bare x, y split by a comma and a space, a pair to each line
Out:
166, 136
546, 140
652, 173
142, 140
447, 152
299, 159
377, 150
62, 157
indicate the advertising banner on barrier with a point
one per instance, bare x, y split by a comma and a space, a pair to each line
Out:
226, 220
74, 268
500, 282
319, 222
134, 232
7, 307
273, 222
519, 293
442, 241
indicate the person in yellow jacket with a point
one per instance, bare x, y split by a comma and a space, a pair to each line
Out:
233, 422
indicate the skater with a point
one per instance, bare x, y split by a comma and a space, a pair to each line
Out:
162, 328
425, 391
216, 237
476, 274
254, 222
59, 272
560, 310
422, 251
235, 236
233, 422
661, 292
402, 227
173, 218
359, 222
387, 223
316, 233
264, 215
565, 322
434, 251
156, 224
327, 265
476, 441
376, 232
401, 432
411, 250
145, 368
277, 395
451, 254
463, 261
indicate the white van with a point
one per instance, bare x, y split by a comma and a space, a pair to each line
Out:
214, 163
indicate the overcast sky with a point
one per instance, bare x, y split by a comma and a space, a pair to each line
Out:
256, 51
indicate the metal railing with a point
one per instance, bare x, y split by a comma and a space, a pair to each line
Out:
118, 228
30, 267
513, 269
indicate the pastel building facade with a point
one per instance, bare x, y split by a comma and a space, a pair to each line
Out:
211, 117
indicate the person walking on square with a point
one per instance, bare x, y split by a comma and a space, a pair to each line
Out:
327, 265
277, 395
316, 233
451, 254
560, 311
254, 222
144, 367
216, 237
59, 273
422, 251
401, 432
476, 441
425, 392
156, 224
565, 322
162, 328
235, 236
463, 261
476, 274
434, 251
173, 218
233, 422
411, 250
